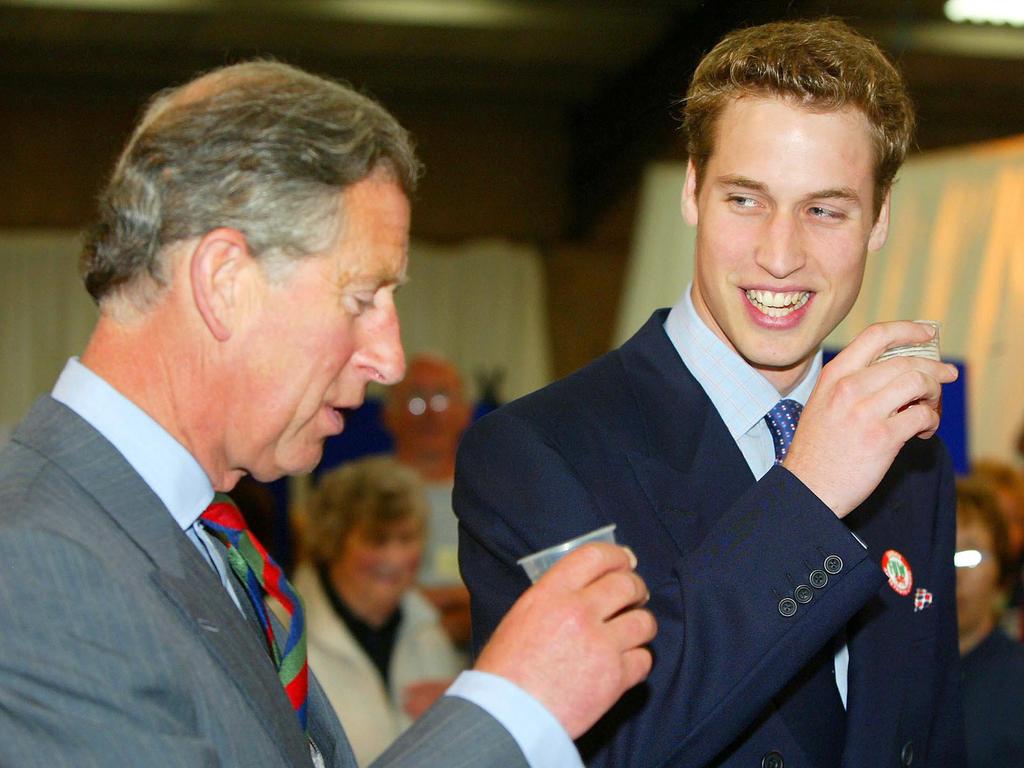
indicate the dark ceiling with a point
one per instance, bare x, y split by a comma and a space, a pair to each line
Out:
613, 67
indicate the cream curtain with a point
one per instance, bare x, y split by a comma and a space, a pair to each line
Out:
45, 315
481, 304
955, 254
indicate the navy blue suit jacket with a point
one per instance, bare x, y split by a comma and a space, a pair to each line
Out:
633, 439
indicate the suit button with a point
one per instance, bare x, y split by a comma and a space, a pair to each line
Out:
787, 607
803, 594
907, 754
818, 578
772, 760
833, 564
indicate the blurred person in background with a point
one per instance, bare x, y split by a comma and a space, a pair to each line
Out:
992, 663
375, 644
426, 414
1008, 485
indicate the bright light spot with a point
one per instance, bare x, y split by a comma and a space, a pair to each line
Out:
967, 558
986, 11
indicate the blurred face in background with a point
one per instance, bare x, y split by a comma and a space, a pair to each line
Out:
426, 412
977, 588
377, 564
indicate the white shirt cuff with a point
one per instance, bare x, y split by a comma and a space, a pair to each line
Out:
542, 739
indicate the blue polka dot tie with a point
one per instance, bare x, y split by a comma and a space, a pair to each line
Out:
782, 420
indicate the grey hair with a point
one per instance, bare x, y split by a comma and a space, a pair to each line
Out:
261, 147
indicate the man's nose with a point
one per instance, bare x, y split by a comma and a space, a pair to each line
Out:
780, 250
381, 357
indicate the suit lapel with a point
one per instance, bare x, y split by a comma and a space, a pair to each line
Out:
691, 468
180, 573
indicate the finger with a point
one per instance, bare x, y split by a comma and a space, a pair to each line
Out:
910, 387
880, 377
918, 420
613, 593
632, 629
875, 339
883, 370
587, 564
636, 666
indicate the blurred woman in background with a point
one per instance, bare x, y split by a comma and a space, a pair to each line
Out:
375, 644
992, 663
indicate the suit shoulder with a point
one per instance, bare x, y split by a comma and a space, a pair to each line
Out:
601, 383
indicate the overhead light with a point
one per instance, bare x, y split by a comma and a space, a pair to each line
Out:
986, 11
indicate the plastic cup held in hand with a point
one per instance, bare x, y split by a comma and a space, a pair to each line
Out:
929, 349
538, 563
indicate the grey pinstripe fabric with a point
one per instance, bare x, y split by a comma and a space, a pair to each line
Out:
121, 648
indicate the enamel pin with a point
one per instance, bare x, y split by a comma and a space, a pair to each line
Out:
896, 567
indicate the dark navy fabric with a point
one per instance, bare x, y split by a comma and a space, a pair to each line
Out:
633, 439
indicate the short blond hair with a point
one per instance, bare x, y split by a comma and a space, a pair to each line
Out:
823, 65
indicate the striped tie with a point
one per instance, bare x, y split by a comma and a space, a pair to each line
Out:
262, 576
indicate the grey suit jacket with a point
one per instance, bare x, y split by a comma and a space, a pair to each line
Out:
121, 647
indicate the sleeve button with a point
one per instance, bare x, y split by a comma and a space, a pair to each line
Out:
818, 578
787, 606
833, 564
803, 594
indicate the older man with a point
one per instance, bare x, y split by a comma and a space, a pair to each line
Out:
250, 241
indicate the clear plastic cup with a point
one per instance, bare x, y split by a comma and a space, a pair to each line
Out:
929, 349
538, 563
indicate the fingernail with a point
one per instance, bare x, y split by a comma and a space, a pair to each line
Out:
632, 557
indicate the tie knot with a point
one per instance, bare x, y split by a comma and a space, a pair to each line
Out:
224, 514
782, 420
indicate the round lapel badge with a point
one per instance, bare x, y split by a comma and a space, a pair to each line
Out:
897, 569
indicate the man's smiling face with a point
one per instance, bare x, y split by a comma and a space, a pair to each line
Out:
785, 219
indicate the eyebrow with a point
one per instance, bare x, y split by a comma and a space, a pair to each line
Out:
378, 279
836, 193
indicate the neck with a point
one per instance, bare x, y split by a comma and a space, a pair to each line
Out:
160, 372
785, 380
971, 639
434, 466
358, 601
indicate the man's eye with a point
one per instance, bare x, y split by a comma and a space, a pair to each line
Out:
358, 303
820, 212
742, 202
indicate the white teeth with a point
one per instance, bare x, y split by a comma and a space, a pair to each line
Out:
778, 304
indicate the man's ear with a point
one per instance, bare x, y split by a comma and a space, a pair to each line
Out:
219, 263
880, 229
689, 202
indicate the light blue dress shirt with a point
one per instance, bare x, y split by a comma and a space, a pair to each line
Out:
742, 397
174, 475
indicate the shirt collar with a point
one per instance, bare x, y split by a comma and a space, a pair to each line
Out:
168, 469
740, 394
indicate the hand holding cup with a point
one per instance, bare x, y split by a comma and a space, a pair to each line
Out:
863, 410
576, 639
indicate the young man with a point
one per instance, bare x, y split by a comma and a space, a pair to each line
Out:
780, 642
250, 241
